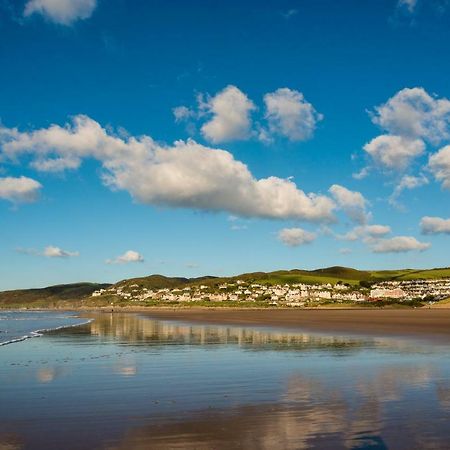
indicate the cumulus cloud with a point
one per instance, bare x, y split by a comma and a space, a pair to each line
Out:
230, 110
19, 190
435, 225
413, 113
228, 116
352, 202
399, 244
411, 119
290, 115
366, 233
394, 152
294, 237
186, 174
129, 256
407, 182
63, 12
439, 165
56, 252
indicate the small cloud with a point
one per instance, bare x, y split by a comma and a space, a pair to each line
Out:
345, 251
237, 224
293, 237
434, 225
289, 13
407, 182
237, 227
407, 5
230, 110
366, 233
363, 173
192, 265
290, 115
182, 113
399, 244
19, 190
49, 252
56, 252
62, 12
352, 202
129, 256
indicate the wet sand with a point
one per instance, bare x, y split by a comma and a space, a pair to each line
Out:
420, 323
126, 382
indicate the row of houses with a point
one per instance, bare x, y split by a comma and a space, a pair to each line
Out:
293, 295
412, 289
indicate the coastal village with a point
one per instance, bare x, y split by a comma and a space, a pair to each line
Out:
292, 295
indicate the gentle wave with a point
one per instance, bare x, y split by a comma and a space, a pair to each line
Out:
39, 333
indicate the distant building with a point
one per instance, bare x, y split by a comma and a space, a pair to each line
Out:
387, 293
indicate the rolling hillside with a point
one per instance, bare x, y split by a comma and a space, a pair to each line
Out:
327, 275
63, 294
73, 294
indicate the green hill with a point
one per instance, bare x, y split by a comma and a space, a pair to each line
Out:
73, 294
63, 295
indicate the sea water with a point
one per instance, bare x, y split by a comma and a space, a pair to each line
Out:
19, 325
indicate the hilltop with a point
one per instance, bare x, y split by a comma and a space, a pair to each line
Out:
331, 275
80, 294
59, 295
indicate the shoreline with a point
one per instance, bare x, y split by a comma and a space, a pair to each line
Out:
423, 323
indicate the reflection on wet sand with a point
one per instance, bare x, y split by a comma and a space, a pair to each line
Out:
311, 415
49, 374
127, 381
133, 329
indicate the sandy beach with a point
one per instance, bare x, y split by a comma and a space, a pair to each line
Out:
422, 323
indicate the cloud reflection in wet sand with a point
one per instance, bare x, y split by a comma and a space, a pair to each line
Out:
130, 382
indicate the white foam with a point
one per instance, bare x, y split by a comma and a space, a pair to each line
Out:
39, 333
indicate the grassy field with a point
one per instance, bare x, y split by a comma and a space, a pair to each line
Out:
63, 294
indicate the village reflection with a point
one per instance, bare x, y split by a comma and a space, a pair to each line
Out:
135, 329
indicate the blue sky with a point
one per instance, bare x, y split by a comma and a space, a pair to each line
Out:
192, 138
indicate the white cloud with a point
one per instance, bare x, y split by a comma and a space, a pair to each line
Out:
186, 174
19, 190
290, 115
56, 252
367, 233
182, 113
439, 165
129, 256
345, 251
230, 110
352, 202
411, 118
409, 5
293, 237
413, 113
228, 116
435, 225
399, 244
407, 182
63, 12
394, 152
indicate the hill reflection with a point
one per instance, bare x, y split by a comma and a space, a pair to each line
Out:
134, 329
